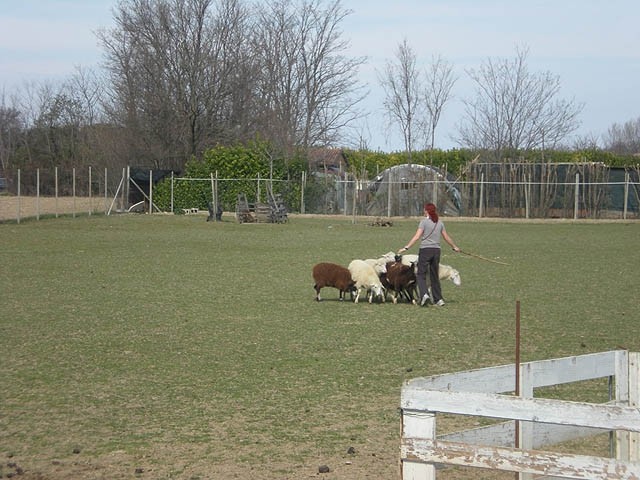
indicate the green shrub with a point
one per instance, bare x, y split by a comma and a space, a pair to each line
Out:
237, 169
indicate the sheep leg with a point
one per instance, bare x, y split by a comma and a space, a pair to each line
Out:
357, 296
407, 295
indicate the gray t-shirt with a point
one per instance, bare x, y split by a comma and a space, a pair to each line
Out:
431, 233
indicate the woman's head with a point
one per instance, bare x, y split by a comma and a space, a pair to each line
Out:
430, 208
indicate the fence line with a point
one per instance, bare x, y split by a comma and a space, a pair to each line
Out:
62, 194
350, 197
76, 192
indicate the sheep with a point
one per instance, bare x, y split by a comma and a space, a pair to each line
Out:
365, 277
401, 280
389, 257
332, 275
445, 272
378, 264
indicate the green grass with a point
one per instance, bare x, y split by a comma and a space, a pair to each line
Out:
196, 349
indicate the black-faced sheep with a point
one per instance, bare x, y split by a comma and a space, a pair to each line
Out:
333, 275
365, 277
400, 279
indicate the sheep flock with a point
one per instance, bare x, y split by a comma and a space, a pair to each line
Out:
390, 275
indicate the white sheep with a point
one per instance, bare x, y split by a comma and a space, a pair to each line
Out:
445, 272
378, 264
388, 257
365, 277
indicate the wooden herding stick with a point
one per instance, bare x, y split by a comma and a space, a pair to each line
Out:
483, 258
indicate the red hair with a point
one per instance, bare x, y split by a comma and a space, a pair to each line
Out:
431, 210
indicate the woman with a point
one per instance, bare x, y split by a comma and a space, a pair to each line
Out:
429, 232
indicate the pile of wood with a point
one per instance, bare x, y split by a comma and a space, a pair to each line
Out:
273, 212
381, 222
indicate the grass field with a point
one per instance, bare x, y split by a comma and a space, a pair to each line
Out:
170, 347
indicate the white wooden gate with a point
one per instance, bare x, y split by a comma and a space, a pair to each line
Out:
540, 422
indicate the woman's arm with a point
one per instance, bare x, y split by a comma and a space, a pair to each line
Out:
413, 240
450, 241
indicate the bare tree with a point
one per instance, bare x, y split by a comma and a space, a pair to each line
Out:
11, 131
184, 75
26, 101
625, 138
52, 120
440, 80
86, 87
53, 124
59, 127
308, 87
277, 45
403, 94
174, 66
189, 74
588, 141
331, 87
516, 109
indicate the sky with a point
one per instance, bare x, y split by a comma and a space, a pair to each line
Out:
592, 45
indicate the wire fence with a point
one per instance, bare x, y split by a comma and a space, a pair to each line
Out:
46, 193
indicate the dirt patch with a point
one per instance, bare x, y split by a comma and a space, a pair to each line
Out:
201, 462
14, 208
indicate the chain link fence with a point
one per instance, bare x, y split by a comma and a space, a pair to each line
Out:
487, 190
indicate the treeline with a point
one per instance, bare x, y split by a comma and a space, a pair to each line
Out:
455, 161
183, 78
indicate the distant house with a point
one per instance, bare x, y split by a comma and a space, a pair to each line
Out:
328, 161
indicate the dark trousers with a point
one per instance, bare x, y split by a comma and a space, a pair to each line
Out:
429, 264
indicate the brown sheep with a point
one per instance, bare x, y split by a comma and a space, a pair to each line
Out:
400, 279
332, 275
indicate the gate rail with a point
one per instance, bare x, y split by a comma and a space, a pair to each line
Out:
542, 422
